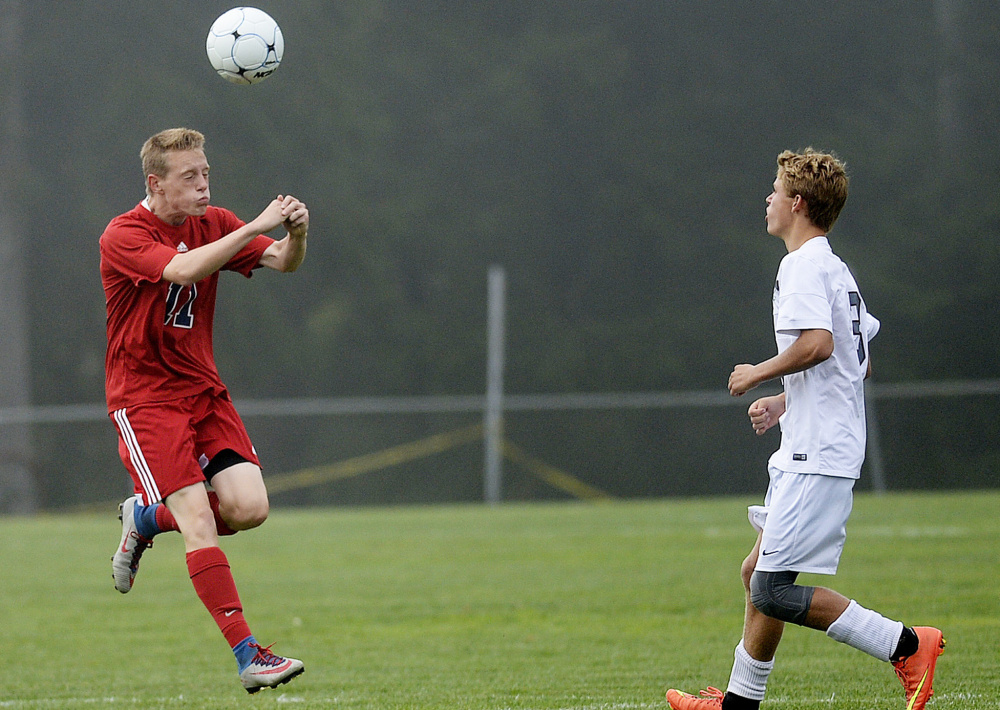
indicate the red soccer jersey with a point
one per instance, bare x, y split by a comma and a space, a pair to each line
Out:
160, 333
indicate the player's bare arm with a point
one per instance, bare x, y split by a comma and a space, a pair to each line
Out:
190, 267
810, 349
286, 255
765, 412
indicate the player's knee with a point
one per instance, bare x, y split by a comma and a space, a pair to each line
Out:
776, 595
249, 514
260, 512
244, 512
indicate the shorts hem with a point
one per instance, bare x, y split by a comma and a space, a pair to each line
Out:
801, 570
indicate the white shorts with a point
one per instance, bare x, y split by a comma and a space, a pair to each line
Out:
804, 522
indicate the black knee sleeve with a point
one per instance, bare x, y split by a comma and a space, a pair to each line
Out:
775, 594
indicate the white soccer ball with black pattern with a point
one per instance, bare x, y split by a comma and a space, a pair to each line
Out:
245, 45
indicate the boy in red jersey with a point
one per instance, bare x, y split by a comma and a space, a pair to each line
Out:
178, 429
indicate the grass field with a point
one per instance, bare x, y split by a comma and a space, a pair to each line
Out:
568, 606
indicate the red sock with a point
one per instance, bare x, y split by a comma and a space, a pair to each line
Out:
165, 519
213, 582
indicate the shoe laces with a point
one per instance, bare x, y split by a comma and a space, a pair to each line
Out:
712, 693
264, 656
141, 545
910, 682
901, 674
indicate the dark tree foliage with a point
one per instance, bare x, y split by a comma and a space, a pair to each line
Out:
614, 157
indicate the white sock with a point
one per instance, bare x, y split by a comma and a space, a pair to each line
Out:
749, 676
866, 631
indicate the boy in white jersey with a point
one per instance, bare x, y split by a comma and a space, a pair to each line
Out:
822, 329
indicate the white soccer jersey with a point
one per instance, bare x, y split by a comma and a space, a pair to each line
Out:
823, 427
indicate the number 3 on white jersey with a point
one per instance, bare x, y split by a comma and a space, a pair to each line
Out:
855, 300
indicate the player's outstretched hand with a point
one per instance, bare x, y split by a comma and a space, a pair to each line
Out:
764, 413
271, 217
296, 215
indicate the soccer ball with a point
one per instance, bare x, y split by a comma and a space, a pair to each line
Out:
245, 45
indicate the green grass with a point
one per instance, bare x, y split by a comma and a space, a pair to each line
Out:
567, 606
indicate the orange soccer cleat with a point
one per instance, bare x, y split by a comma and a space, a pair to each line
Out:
916, 672
711, 699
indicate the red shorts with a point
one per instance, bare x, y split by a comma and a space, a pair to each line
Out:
166, 445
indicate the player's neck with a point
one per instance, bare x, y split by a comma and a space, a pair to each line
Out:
799, 234
162, 210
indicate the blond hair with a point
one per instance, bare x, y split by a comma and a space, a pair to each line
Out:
820, 178
154, 150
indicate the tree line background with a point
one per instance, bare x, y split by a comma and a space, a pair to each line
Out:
613, 157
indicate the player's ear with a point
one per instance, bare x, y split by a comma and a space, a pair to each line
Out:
153, 183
